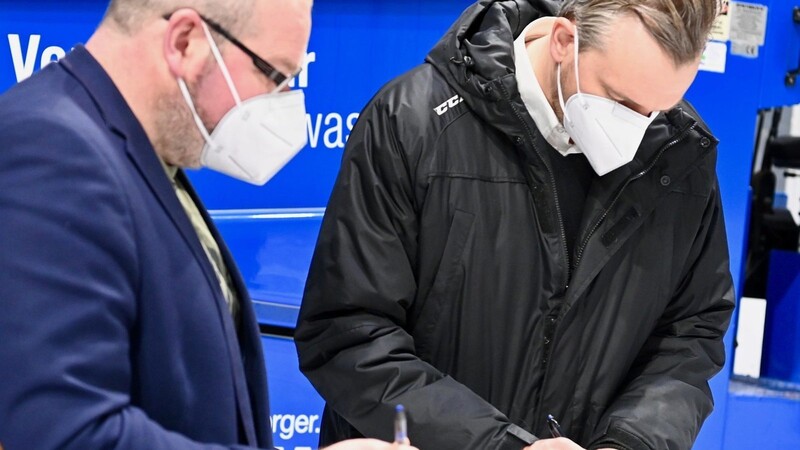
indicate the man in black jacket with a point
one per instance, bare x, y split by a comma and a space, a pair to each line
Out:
528, 224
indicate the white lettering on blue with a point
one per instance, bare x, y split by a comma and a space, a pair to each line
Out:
287, 425
25, 62
302, 78
334, 125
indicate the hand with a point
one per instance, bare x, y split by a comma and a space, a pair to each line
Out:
369, 444
554, 444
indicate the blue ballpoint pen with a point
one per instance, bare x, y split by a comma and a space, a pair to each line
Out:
400, 425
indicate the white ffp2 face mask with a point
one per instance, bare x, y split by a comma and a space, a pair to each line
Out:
607, 132
257, 137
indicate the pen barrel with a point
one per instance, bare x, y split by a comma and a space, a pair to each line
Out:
400, 427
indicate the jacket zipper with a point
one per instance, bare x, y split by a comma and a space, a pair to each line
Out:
552, 318
552, 321
668, 145
556, 201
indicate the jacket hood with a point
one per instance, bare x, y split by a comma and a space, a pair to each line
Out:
479, 48
476, 58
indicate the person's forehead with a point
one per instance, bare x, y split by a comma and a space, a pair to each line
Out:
632, 64
279, 32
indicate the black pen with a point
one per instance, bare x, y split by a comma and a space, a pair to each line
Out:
555, 428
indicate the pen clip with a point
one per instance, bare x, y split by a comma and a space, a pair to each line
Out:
555, 428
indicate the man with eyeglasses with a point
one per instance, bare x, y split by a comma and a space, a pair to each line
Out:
123, 321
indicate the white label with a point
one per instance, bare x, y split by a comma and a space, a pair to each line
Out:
721, 30
746, 50
748, 23
714, 57
750, 337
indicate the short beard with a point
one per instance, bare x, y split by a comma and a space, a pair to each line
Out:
178, 141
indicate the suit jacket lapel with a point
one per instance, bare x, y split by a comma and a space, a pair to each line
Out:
247, 319
124, 123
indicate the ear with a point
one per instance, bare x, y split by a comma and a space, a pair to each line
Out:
186, 48
562, 38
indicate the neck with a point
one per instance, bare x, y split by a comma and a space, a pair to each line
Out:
125, 60
543, 65
545, 70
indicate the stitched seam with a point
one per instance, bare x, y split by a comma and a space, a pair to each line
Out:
451, 122
475, 177
344, 332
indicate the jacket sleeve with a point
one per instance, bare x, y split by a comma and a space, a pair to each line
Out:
667, 397
67, 298
351, 337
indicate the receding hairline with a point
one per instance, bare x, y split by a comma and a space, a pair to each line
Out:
129, 16
681, 28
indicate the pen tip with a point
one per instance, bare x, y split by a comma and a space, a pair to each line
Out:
399, 408
550, 417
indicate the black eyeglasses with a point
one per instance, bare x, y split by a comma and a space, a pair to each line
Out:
280, 78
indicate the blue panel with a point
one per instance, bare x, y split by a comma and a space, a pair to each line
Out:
781, 352
731, 114
781, 53
296, 408
762, 418
273, 250
730, 103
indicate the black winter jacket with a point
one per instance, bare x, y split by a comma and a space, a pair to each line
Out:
441, 279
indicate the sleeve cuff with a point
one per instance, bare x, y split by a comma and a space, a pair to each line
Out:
517, 438
620, 439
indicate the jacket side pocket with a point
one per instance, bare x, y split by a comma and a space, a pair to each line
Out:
445, 283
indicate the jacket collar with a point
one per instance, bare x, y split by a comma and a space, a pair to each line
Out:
101, 88
620, 202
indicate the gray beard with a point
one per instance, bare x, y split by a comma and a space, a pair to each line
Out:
178, 141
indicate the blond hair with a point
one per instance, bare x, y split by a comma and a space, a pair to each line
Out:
681, 27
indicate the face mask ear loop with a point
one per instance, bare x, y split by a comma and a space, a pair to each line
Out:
222, 67
561, 94
197, 120
281, 87
577, 75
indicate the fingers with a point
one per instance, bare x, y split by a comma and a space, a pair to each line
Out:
554, 444
370, 444
406, 445
403, 447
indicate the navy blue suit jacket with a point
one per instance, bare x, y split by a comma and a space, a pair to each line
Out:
113, 329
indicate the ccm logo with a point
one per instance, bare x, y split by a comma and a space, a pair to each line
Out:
451, 103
